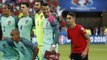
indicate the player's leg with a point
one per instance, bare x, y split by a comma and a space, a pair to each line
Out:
40, 52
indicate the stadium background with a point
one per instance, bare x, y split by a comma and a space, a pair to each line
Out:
89, 19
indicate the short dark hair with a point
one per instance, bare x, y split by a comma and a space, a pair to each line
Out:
45, 4
9, 6
72, 14
16, 30
41, 2
25, 3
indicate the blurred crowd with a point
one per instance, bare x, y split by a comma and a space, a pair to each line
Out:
15, 3
55, 8
97, 31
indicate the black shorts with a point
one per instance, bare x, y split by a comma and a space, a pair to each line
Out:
77, 56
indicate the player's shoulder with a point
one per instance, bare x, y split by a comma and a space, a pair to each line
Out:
51, 16
24, 39
12, 17
80, 27
31, 17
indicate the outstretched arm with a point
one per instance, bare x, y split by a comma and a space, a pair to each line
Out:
55, 27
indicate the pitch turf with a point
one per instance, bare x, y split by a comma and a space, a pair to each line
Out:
97, 52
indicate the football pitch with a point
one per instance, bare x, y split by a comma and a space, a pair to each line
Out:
97, 52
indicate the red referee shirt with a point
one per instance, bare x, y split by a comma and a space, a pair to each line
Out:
78, 41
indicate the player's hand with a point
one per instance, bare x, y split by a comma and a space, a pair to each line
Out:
84, 53
32, 34
53, 52
3, 38
53, 49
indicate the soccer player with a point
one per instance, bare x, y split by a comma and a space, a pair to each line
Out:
26, 47
39, 18
25, 24
51, 31
7, 51
8, 22
79, 38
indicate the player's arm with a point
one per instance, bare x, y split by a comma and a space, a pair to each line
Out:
33, 26
16, 22
85, 52
32, 46
35, 50
55, 27
86, 36
9, 41
88, 41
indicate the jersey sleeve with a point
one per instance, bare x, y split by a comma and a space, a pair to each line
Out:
82, 30
55, 27
28, 43
33, 20
9, 41
16, 21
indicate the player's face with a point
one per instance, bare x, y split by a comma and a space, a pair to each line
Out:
70, 20
23, 8
37, 6
5, 9
46, 10
14, 35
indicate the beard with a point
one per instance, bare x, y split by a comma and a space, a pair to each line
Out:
37, 10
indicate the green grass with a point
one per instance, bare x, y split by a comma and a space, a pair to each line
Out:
97, 52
